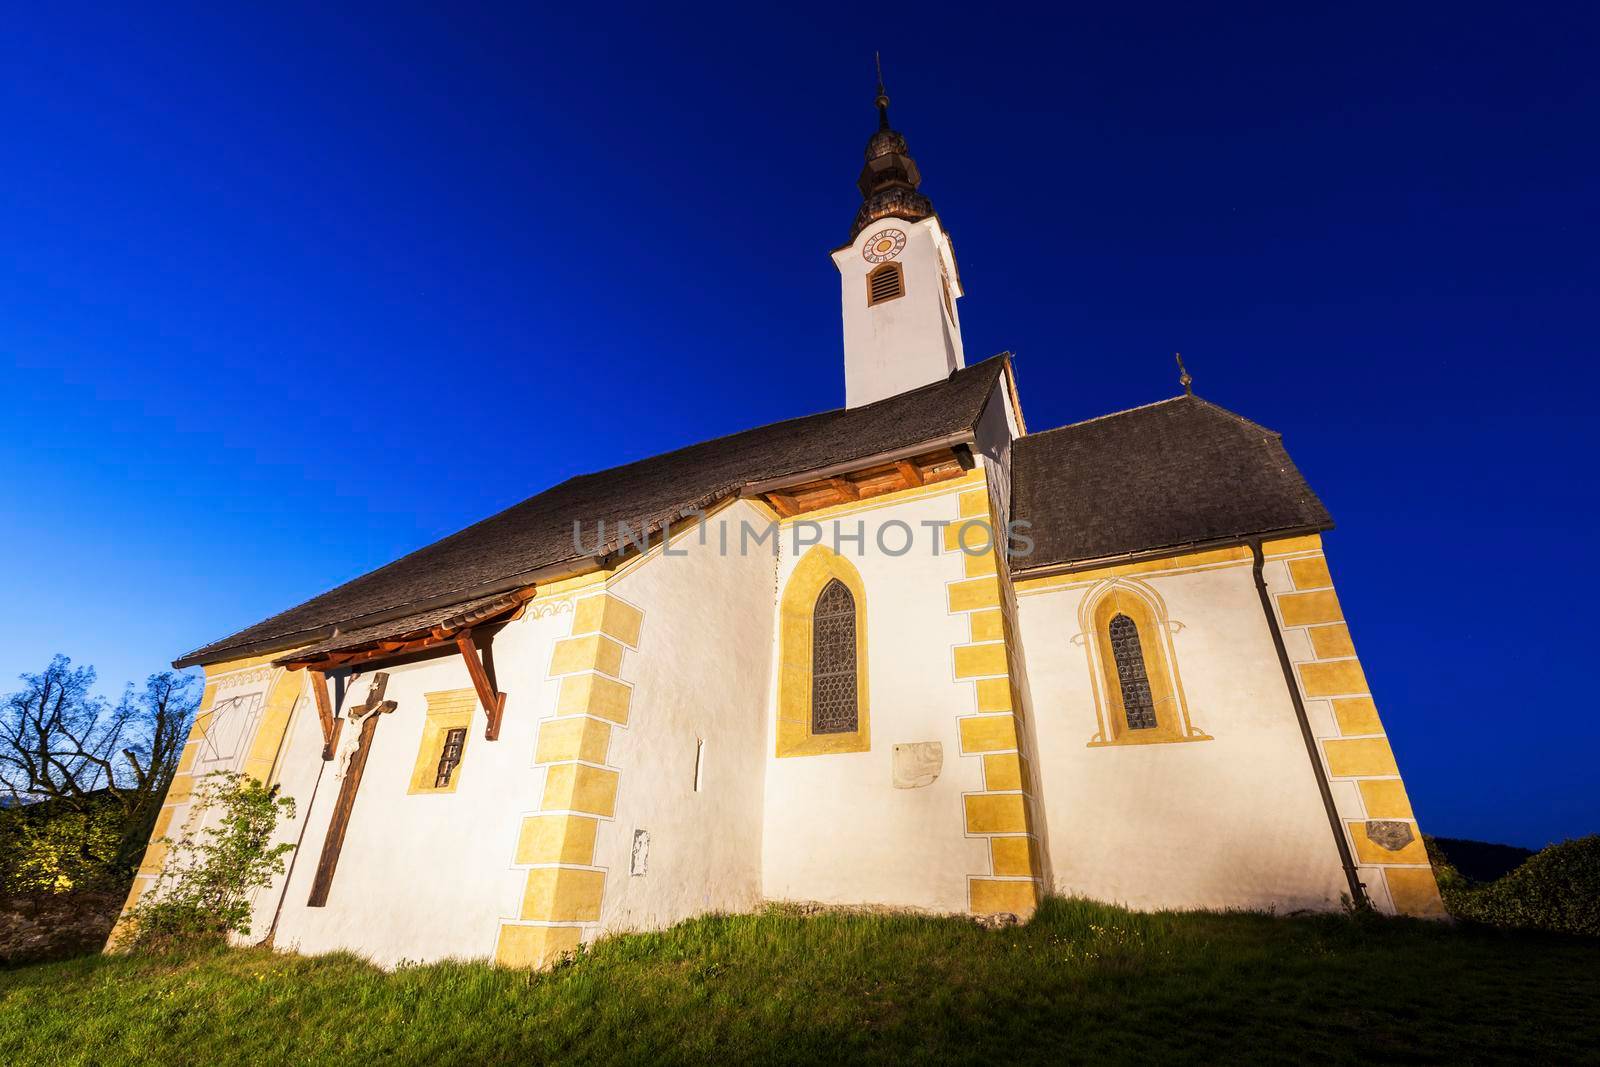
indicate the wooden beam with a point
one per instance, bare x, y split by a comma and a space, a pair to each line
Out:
845, 488
910, 472
494, 704
330, 725
369, 713
783, 504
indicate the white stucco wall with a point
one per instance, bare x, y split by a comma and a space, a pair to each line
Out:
430, 876
701, 674
421, 877
1234, 822
836, 830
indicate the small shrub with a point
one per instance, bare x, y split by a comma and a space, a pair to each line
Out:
223, 857
1558, 889
51, 848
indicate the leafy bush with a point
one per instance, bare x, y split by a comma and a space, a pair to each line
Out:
223, 857
50, 848
1558, 889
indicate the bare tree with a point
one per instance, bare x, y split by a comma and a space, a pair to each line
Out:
61, 743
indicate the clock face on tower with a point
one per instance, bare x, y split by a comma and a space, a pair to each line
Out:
884, 245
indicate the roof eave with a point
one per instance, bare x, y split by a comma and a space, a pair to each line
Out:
554, 572
1050, 570
961, 437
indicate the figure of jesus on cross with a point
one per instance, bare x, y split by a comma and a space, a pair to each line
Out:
367, 717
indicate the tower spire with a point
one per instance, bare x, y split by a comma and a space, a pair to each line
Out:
883, 97
889, 180
1183, 375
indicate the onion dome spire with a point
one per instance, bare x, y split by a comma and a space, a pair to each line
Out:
890, 178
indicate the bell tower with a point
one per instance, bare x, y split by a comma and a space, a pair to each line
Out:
897, 279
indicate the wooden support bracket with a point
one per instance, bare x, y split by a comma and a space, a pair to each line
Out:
494, 704
330, 725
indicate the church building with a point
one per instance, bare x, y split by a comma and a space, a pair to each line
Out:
906, 653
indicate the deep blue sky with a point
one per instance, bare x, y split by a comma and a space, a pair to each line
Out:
285, 293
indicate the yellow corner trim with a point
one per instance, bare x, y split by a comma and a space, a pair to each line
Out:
535, 946
980, 661
1013, 856
1385, 798
557, 839
577, 787
590, 652
563, 894
974, 503
1360, 757
1357, 716
1003, 770
988, 733
996, 813
974, 593
987, 625
594, 694
577, 738
1415, 892
968, 536
996, 694
1308, 609
1326, 678
610, 616
1310, 573
990, 896
1288, 546
1331, 641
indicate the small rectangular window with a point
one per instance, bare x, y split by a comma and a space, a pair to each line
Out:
450, 756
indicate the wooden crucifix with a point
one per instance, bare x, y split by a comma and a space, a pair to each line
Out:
367, 717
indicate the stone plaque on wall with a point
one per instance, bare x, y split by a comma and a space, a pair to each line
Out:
917, 764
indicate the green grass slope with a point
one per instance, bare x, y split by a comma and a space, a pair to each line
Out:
1080, 982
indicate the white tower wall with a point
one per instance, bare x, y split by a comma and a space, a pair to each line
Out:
911, 340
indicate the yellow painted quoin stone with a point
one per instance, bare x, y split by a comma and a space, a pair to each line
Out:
562, 892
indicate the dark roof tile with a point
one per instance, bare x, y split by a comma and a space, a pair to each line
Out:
538, 532
1179, 472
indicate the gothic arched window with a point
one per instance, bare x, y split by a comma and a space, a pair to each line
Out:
1137, 702
833, 660
1138, 694
823, 693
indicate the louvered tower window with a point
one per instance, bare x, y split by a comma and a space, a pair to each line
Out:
450, 756
885, 283
833, 661
1137, 704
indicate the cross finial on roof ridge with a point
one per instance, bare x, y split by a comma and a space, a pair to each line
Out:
1183, 375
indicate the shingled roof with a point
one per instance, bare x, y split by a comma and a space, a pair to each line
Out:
1176, 473
537, 534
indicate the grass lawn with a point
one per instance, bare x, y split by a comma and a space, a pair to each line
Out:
1080, 982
